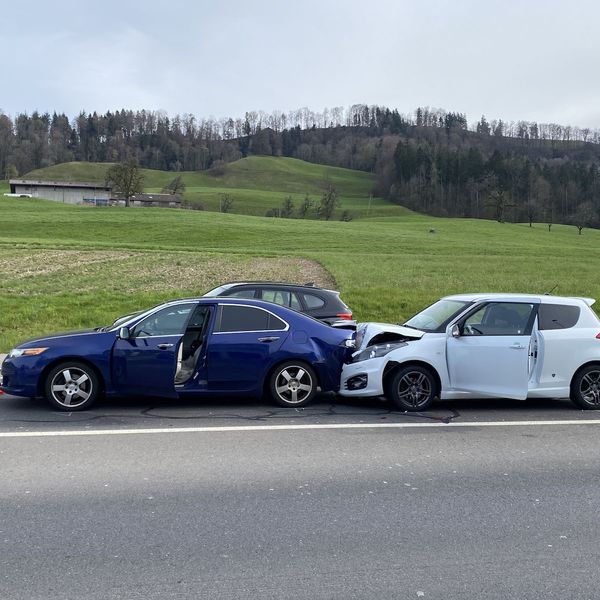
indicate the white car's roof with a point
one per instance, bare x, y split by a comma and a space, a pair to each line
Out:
542, 298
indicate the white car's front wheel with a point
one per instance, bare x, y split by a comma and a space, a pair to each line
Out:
412, 388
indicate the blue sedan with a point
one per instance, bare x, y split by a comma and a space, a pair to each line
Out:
190, 347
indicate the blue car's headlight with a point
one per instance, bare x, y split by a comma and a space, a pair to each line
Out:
16, 352
376, 351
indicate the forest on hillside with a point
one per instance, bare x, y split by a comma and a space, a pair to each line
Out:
432, 161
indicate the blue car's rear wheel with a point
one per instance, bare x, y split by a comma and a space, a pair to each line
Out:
72, 386
293, 384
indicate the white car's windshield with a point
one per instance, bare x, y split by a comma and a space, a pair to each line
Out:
436, 316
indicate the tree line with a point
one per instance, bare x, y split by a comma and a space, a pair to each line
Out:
431, 160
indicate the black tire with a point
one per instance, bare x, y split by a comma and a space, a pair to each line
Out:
585, 388
293, 384
72, 386
412, 388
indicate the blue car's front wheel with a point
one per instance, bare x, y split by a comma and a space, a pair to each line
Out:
293, 384
72, 386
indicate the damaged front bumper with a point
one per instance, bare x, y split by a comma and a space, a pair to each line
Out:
364, 378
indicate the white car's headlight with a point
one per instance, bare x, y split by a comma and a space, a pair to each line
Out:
376, 351
16, 352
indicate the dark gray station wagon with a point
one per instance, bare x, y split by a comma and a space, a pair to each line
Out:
319, 303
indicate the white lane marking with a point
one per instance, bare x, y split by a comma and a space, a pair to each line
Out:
216, 429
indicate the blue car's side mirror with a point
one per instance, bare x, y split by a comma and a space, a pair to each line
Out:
124, 333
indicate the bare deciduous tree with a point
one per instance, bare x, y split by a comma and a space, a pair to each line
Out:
584, 216
175, 186
329, 202
126, 179
287, 208
305, 207
225, 203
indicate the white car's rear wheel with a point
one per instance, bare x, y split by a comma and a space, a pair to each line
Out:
585, 389
412, 388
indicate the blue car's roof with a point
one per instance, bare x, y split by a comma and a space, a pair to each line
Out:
283, 311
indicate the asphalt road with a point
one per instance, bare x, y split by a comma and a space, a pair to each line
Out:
157, 499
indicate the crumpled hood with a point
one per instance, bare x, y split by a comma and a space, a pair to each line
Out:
365, 332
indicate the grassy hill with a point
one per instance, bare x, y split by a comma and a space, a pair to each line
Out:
256, 183
63, 267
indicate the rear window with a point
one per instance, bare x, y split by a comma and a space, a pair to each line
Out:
313, 302
246, 318
245, 293
558, 316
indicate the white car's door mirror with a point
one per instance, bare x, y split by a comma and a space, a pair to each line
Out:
455, 331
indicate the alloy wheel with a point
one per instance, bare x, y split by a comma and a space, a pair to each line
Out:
71, 387
414, 388
589, 387
293, 384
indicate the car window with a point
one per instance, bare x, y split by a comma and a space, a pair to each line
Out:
282, 297
219, 291
246, 318
313, 302
557, 316
246, 293
500, 318
167, 321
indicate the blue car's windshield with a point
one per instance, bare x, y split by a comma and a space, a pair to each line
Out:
435, 317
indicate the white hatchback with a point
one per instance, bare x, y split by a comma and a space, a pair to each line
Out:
481, 345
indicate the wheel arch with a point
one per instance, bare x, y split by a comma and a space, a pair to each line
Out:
44, 374
392, 367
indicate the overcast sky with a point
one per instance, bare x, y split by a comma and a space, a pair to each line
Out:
528, 59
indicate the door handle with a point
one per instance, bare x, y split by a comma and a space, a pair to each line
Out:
164, 346
268, 340
517, 347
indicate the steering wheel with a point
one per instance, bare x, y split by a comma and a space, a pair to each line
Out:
148, 328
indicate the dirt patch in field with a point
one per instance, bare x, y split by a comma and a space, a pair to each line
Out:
37, 272
16, 264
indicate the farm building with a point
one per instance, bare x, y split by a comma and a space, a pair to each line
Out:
162, 200
69, 192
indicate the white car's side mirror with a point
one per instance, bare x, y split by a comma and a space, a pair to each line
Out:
455, 331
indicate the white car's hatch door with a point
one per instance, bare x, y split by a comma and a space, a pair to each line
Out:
489, 353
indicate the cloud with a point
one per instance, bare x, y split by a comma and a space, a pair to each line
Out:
505, 59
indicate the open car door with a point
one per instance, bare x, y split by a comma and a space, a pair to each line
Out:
146, 362
488, 350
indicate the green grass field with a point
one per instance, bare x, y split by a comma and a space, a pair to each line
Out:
65, 267
256, 183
